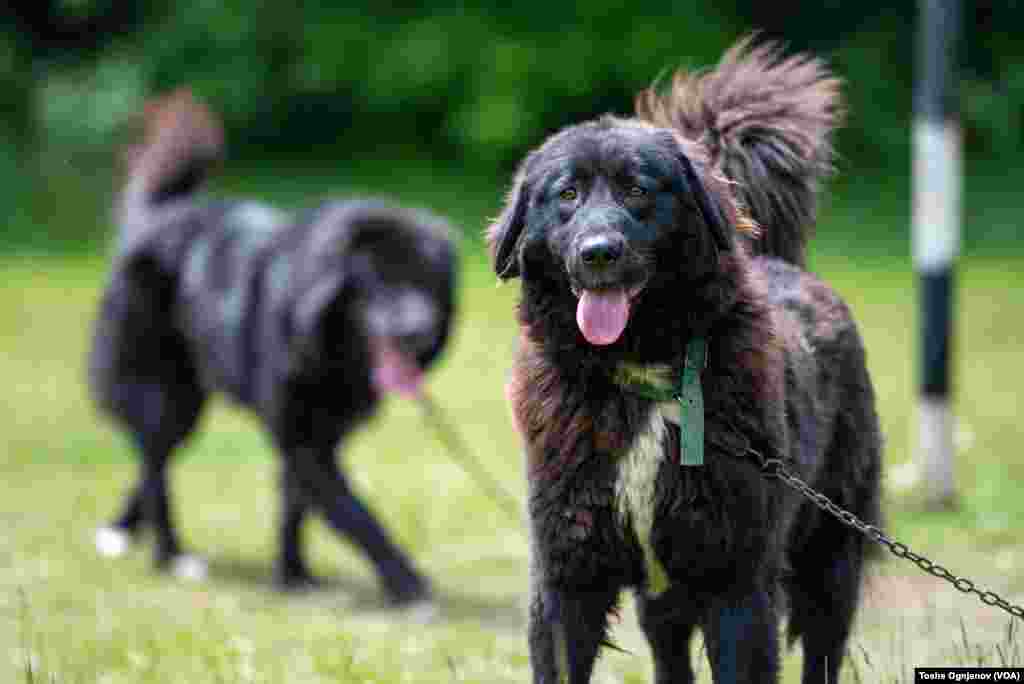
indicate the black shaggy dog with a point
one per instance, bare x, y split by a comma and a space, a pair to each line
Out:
637, 240
306, 320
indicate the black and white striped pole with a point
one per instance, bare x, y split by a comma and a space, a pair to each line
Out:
936, 237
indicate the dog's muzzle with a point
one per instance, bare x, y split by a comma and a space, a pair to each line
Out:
605, 273
403, 324
606, 277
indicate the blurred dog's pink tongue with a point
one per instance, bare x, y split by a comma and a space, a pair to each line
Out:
602, 316
395, 372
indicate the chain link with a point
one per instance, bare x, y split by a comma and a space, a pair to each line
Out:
775, 468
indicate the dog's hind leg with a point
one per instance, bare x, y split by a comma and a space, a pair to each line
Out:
158, 422
741, 633
330, 491
828, 560
823, 590
113, 540
668, 622
825, 585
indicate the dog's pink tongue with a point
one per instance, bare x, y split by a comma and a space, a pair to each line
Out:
393, 371
602, 316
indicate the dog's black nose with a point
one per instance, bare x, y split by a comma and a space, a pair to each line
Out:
415, 343
601, 250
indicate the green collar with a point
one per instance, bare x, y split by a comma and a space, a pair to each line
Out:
656, 383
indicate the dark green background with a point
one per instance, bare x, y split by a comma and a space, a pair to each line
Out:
378, 96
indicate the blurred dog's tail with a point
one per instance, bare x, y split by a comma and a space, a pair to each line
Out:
181, 141
766, 120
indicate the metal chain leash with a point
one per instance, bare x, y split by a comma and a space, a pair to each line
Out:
775, 468
770, 467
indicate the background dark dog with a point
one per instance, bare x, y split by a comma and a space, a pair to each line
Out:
307, 321
633, 237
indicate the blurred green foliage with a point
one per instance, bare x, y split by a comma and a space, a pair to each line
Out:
467, 84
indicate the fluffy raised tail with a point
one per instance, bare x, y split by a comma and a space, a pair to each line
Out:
181, 141
766, 120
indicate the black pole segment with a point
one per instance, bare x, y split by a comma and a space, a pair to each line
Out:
937, 107
936, 327
938, 52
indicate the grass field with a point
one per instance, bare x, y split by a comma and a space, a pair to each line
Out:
67, 615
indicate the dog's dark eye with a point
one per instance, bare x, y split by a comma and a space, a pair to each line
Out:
569, 195
636, 191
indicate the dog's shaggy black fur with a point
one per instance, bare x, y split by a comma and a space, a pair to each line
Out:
306, 320
632, 236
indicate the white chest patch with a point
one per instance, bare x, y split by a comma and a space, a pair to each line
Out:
670, 411
634, 493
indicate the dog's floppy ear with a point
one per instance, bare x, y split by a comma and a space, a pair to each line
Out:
446, 288
312, 305
303, 320
707, 205
503, 235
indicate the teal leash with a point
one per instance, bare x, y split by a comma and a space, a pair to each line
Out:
691, 404
689, 394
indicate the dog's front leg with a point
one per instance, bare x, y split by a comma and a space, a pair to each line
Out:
541, 637
329, 491
741, 633
566, 630
292, 571
668, 622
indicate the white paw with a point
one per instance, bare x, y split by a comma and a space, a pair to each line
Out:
422, 612
112, 542
189, 568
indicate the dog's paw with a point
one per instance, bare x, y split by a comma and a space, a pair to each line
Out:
421, 611
189, 568
297, 582
112, 542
